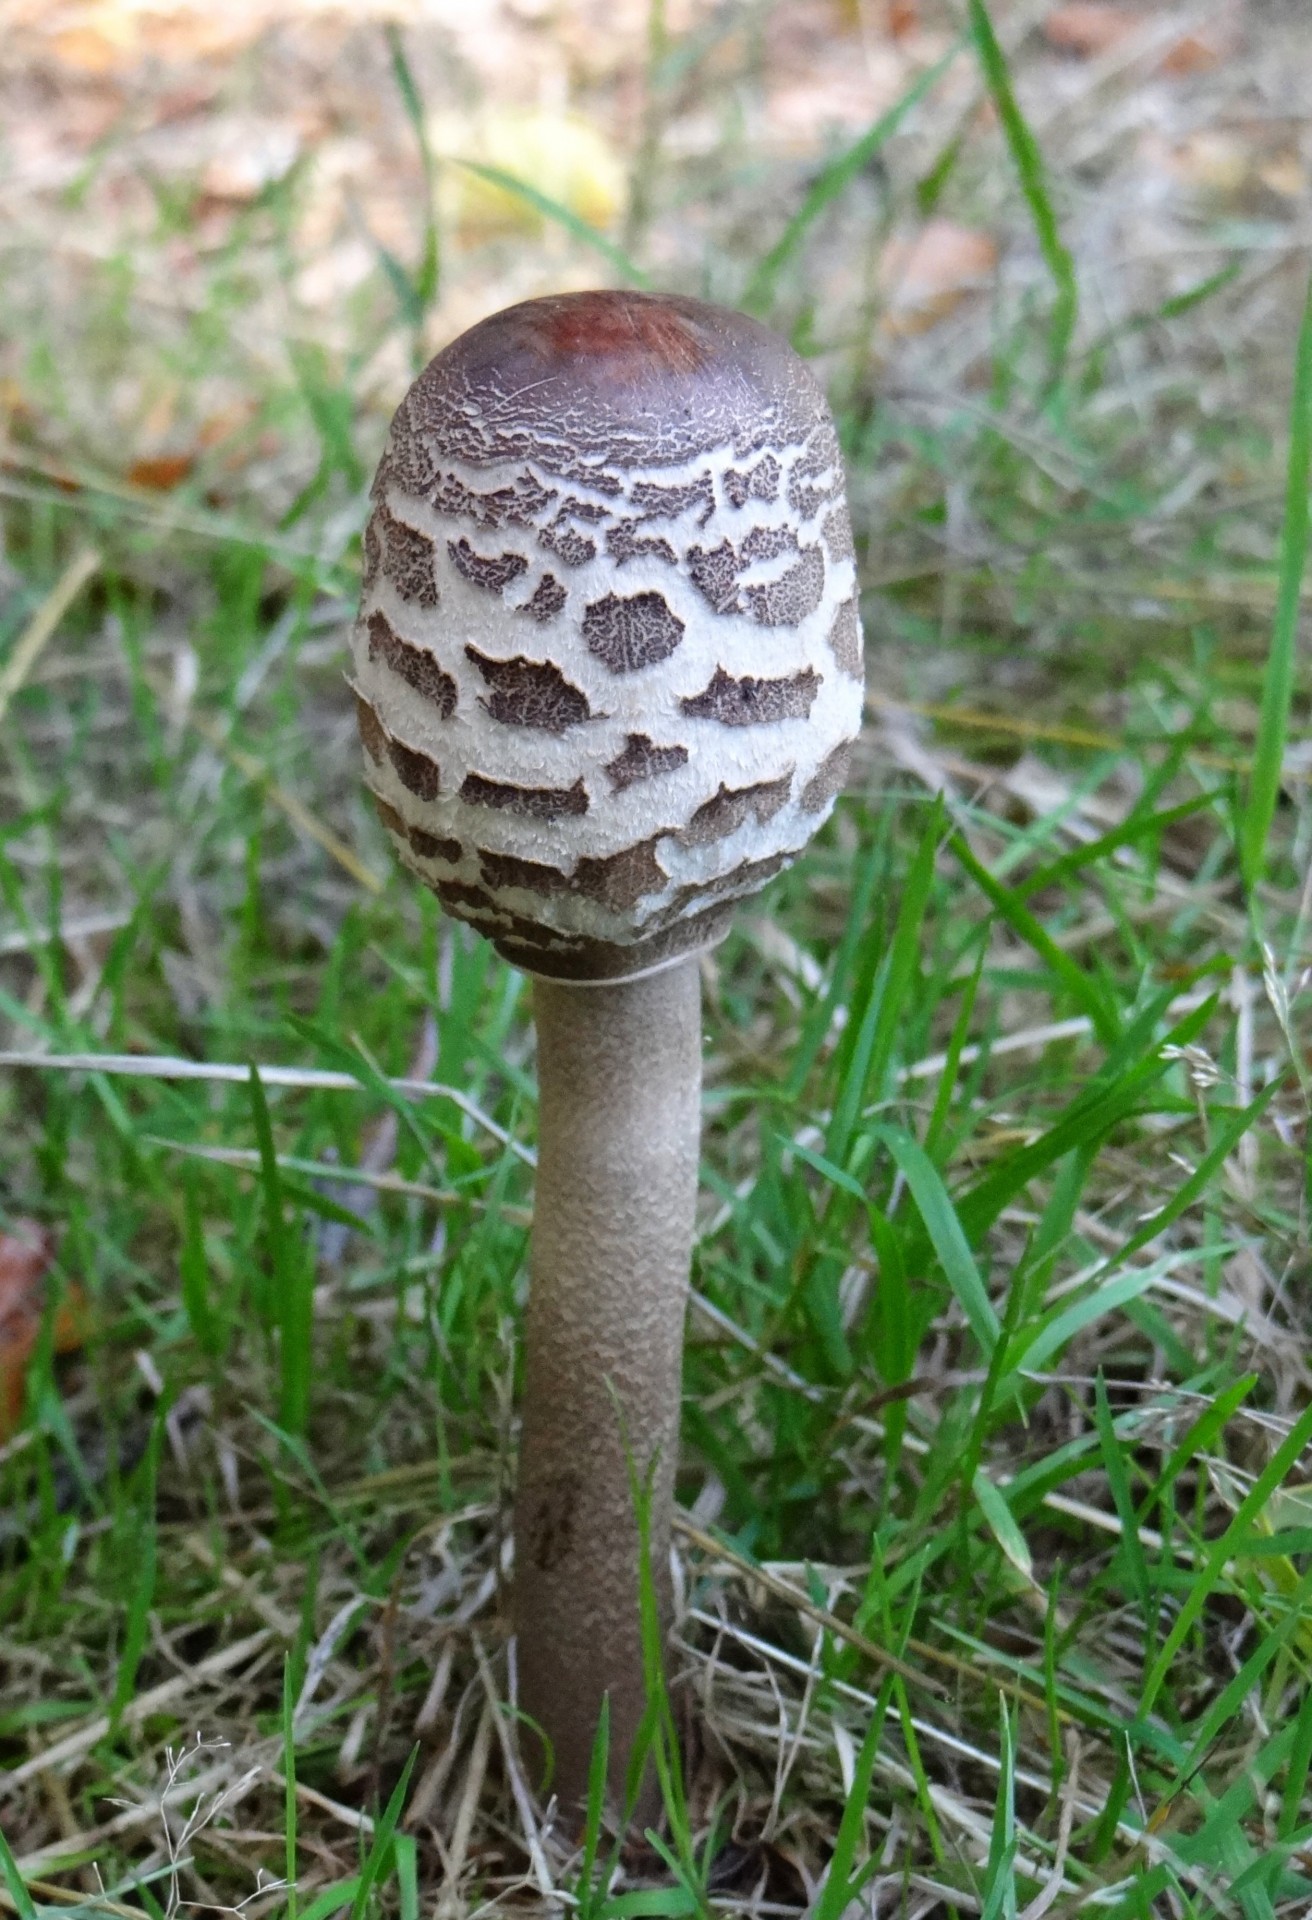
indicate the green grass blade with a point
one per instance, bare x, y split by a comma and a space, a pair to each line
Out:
1087, 1120
1284, 1458
947, 1080
1002, 1523
1028, 162
867, 870
598, 1768
194, 1273
333, 1899
1087, 996
406, 1853
1232, 1697
1300, 1759
839, 1886
880, 996
1062, 1325
14, 1882
1090, 852
1233, 1124
1278, 685
382, 1840
832, 181
136, 1626
291, 1867
293, 1277
650, 1903
563, 216
999, 1901
945, 1233
1118, 1479
903, 953
424, 286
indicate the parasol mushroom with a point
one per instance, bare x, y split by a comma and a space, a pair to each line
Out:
608, 675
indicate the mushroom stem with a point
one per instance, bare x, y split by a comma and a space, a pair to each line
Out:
619, 1081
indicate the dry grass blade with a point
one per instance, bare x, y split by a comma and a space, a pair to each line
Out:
300, 816
322, 1079
457, 1853
41, 628
717, 1551
169, 1693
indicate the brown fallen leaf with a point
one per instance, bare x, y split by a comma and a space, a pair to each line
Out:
927, 274
25, 1258
87, 50
1089, 27
160, 472
1199, 52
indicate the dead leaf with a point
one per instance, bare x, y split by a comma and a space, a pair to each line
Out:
565, 157
25, 1258
1087, 27
901, 17
928, 273
160, 472
1197, 52
88, 50
224, 425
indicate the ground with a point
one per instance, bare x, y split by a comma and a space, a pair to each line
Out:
996, 1504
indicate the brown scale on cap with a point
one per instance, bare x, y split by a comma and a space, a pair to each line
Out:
407, 558
414, 665
728, 809
604, 521
754, 703
373, 734
549, 597
828, 780
417, 773
534, 803
760, 482
573, 547
845, 639
642, 759
618, 882
492, 572
530, 693
626, 542
787, 601
632, 337
629, 632
430, 846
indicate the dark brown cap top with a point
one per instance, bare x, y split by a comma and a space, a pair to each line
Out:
585, 380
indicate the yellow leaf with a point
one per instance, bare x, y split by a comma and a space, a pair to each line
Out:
565, 157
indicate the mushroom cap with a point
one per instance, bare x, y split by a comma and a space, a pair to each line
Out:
608, 659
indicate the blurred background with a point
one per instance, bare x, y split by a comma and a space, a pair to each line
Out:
231, 235
1049, 261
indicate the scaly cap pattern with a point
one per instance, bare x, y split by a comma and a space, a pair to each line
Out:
608, 660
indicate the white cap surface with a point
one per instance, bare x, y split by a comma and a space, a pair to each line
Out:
608, 659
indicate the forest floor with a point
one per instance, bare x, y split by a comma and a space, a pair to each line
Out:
995, 1535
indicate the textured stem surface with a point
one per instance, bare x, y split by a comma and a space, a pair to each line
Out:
619, 1077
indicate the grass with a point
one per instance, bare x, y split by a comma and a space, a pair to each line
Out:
995, 1536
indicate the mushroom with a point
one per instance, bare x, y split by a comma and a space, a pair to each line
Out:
608, 675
